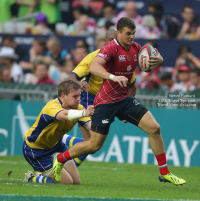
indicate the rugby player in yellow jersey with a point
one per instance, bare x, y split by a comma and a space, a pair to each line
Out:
44, 138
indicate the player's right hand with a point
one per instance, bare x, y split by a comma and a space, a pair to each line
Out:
90, 111
122, 80
84, 85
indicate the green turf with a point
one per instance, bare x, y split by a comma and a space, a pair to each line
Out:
111, 180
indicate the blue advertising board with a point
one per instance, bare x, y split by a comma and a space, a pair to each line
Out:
125, 143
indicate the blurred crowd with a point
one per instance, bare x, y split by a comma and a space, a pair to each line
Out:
155, 24
47, 61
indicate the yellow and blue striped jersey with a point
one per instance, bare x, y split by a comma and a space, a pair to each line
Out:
47, 130
82, 70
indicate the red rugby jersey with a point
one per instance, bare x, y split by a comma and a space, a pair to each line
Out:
119, 62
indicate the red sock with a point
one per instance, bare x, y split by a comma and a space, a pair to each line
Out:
63, 157
162, 164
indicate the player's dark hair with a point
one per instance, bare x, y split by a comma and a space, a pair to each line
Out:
66, 86
125, 22
186, 6
9, 37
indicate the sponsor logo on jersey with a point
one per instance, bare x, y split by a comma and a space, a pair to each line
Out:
105, 121
129, 67
129, 57
135, 57
102, 55
122, 58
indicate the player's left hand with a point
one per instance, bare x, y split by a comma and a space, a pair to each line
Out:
90, 111
85, 86
155, 60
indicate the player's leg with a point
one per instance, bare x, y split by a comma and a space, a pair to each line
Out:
70, 141
149, 125
43, 165
71, 168
142, 118
85, 134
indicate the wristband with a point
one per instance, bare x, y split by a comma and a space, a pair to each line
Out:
111, 76
75, 114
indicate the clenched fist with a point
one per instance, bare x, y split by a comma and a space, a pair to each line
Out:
90, 111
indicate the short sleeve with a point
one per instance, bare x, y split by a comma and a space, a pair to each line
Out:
83, 67
51, 110
109, 51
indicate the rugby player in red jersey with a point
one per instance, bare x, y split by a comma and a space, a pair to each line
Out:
115, 63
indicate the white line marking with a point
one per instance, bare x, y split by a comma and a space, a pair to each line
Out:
98, 198
103, 168
13, 162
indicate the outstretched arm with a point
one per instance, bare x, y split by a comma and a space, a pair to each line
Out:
73, 115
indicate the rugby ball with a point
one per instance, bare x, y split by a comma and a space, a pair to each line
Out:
143, 57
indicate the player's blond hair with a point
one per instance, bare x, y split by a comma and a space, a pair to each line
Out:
66, 86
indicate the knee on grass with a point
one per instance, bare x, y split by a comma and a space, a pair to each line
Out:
77, 181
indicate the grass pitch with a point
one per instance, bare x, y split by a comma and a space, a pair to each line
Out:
100, 180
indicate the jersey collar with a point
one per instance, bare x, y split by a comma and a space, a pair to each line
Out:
122, 46
60, 101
